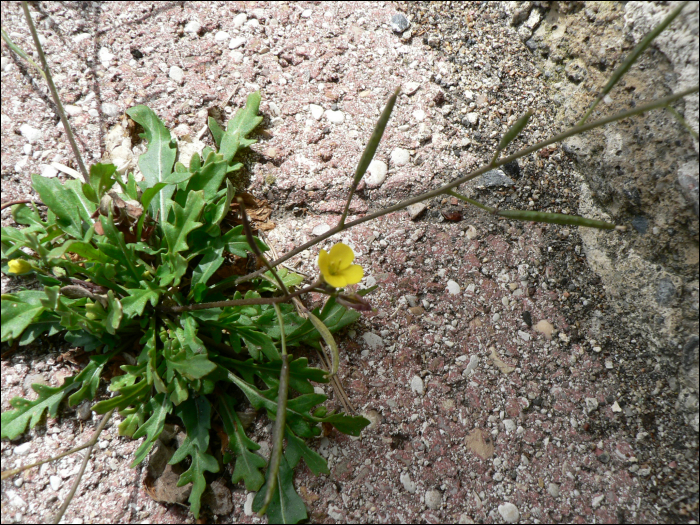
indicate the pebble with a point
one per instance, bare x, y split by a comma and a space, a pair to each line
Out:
177, 74
30, 133
335, 117
373, 341
433, 498
306, 13
376, 174
524, 335
453, 288
495, 179
105, 57
55, 482
193, 27
410, 88
236, 57
248, 505
597, 501
320, 229
473, 363
409, 485
399, 23
509, 512
419, 115
221, 36
414, 210
23, 449
417, 385
72, 110
316, 111
5, 63
236, 42
400, 157
473, 119
48, 171
553, 490
591, 404
509, 424
239, 19
112, 110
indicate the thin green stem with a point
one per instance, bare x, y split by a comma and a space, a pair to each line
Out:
471, 201
54, 94
439, 191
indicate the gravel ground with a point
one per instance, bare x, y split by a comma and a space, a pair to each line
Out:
500, 386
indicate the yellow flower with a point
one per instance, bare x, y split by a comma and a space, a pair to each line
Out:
19, 266
337, 268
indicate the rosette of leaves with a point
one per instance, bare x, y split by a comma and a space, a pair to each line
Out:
109, 253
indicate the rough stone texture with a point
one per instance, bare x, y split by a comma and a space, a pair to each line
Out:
643, 171
633, 459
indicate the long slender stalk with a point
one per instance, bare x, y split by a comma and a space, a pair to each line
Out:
54, 94
439, 191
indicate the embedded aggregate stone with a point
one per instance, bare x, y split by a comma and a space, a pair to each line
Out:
399, 23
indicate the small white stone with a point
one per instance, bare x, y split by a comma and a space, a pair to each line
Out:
23, 449
473, 118
433, 498
524, 335
509, 512
177, 74
221, 36
193, 27
509, 424
376, 174
410, 88
453, 288
335, 117
591, 404
5, 63
320, 229
616, 407
373, 341
72, 111
48, 171
409, 485
31, 134
316, 111
597, 501
553, 490
236, 42
306, 13
417, 385
400, 157
55, 482
105, 57
112, 110
239, 19
236, 57
248, 505
419, 115
473, 363
27, 149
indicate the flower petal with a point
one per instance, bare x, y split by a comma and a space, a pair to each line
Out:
336, 281
353, 274
343, 254
324, 263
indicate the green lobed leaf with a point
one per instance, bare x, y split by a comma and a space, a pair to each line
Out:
244, 121
90, 379
297, 449
196, 415
248, 464
63, 202
286, 505
185, 221
135, 302
15, 422
18, 311
157, 163
159, 407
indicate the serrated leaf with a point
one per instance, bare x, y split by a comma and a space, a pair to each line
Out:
15, 422
246, 119
153, 191
63, 202
114, 313
157, 163
101, 180
248, 464
185, 221
208, 179
195, 414
297, 449
18, 311
286, 505
159, 407
135, 302
128, 395
90, 379
207, 266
